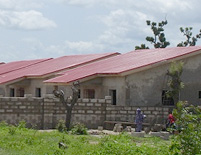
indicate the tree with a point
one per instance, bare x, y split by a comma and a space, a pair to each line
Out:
188, 122
175, 84
159, 39
190, 40
69, 102
142, 46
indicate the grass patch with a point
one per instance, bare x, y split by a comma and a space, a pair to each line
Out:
32, 142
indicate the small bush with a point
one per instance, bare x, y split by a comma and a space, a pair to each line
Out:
29, 140
12, 130
21, 124
61, 127
188, 118
3, 124
79, 129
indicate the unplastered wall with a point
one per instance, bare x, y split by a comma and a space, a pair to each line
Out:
145, 87
118, 84
44, 113
191, 78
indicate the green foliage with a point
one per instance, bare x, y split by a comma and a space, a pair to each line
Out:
21, 124
158, 39
12, 130
188, 120
3, 124
142, 46
124, 144
190, 40
79, 129
61, 127
29, 141
175, 84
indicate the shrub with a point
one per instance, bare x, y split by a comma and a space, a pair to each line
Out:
21, 124
61, 127
188, 118
3, 124
29, 140
12, 130
79, 129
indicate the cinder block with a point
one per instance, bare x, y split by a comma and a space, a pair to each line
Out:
28, 95
123, 112
108, 101
81, 104
100, 128
2, 110
98, 104
151, 108
89, 104
147, 112
97, 112
155, 112
18, 103
48, 96
108, 97
165, 135
165, 113
128, 129
143, 108
110, 108
22, 107
6, 98
113, 112
14, 99
90, 111
134, 108
138, 134
166, 109
9, 110
131, 112
101, 100
85, 100
127, 108
156, 134
81, 111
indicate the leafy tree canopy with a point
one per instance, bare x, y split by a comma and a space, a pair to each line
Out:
158, 40
190, 40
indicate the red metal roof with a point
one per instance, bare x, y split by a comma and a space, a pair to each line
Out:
52, 66
12, 66
124, 63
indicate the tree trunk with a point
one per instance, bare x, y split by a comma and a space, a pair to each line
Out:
68, 116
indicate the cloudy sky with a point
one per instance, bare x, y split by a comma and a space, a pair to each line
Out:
33, 29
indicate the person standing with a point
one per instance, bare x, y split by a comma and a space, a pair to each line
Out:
171, 121
139, 120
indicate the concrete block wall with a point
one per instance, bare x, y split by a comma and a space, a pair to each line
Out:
127, 113
46, 112
13, 110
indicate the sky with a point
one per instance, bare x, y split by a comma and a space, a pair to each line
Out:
33, 29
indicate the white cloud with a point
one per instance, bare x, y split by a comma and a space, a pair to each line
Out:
79, 47
85, 3
20, 4
28, 20
123, 27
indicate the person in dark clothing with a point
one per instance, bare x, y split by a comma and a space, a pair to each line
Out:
139, 120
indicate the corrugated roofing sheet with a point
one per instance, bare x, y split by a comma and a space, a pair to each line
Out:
52, 66
123, 63
12, 66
